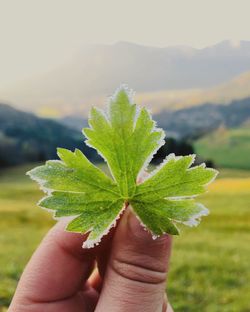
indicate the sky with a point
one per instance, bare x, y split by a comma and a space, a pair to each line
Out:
38, 35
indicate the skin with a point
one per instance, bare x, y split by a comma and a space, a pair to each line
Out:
126, 272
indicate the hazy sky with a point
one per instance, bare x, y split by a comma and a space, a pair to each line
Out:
36, 35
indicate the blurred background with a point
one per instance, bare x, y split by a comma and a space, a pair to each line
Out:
189, 63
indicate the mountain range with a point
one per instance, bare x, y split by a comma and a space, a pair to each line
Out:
25, 137
190, 122
197, 121
170, 77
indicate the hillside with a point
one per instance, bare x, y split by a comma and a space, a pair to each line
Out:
228, 148
191, 122
237, 88
25, 137
196, 121
98, 69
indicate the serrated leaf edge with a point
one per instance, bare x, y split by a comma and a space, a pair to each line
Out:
173, 156
90, 243
154, 236
40, 181
130, 94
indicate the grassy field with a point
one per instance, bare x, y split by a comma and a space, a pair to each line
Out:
228, 148
210, 264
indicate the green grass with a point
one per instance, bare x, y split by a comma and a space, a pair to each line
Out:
227, 148
210, 264
22, 227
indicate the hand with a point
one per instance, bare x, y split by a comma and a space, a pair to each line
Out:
130, 273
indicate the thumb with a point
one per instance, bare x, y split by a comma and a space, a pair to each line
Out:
135, 278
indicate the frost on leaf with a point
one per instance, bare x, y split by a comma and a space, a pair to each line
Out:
127, 138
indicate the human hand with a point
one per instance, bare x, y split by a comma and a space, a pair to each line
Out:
130, 273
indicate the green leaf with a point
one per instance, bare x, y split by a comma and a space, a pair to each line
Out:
124, 141
127, 138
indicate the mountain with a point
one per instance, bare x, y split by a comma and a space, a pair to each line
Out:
98, 69
74, 122
194, 122
25, 138
236, 89
191, 122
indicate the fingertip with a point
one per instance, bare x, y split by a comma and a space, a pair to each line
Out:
136, 234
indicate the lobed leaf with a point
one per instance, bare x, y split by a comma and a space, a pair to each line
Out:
127, 138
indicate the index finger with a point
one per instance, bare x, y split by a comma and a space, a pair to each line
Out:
57, 269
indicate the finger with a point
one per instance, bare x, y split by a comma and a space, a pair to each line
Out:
95, 281
165, 304
103, 253
136, 271
57, 269
166, 307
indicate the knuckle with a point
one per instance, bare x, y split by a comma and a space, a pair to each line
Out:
137, 272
